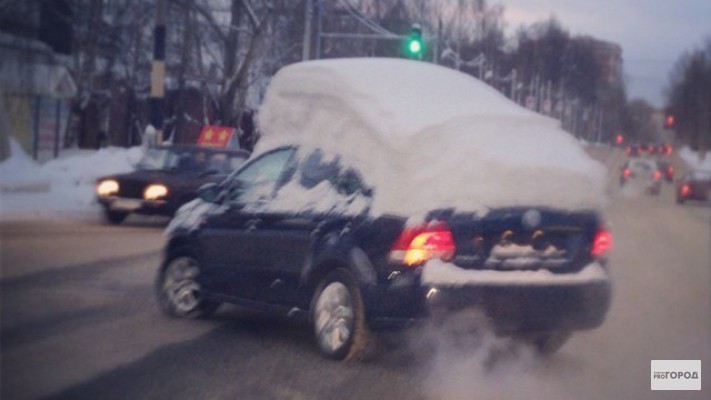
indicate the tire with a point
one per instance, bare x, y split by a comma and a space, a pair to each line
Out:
338, 317
178, 289
115, 217
551, 342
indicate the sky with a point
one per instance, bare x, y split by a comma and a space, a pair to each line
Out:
653, 33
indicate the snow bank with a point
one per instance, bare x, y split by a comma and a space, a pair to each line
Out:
425, 137
62, 185
692, 159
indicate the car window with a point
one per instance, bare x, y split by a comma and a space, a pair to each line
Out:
216, 162
156, 159
642, 166
315, 169
257, 180
234, 162
701, 175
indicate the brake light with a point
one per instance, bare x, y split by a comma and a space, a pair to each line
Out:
626, 173
417, 245
602, 243
669, 149
657, 175
685, 190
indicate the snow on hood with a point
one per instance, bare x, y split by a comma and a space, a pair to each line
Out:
427, 137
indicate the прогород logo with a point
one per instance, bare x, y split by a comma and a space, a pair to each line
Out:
676, 374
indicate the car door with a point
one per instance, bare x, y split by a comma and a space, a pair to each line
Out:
231, 241
319, 193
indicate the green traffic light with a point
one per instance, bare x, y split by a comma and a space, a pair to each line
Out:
415, 46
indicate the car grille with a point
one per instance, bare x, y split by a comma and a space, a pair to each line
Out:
131, 189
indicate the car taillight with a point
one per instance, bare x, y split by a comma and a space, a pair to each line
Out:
626, 173
657, 175
685, 190
602, 243
417, 245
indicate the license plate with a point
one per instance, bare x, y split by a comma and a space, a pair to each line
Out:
126, 204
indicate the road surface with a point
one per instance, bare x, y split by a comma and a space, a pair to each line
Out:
79, 322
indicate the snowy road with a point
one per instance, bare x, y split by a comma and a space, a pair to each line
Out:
79, 322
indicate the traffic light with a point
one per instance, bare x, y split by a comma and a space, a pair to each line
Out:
414, 42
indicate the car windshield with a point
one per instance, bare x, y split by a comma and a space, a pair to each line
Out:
189, 160
156, 159
701, 175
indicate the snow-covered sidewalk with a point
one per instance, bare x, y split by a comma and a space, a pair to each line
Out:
63, 187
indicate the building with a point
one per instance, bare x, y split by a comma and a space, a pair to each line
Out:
35, 87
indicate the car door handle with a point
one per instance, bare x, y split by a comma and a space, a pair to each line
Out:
252, 224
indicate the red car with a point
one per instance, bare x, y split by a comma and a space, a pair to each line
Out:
695, 185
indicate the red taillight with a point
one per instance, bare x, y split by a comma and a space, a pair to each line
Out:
669, 149
657, 175
417, 245
602, 243
685, 190
626, 173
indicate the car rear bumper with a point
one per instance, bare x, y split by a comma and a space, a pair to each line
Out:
140, 206
514, 302
515, 309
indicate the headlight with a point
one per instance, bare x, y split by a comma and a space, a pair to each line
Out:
107, 187
154, 192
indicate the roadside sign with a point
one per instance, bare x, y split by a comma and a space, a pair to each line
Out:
216, 136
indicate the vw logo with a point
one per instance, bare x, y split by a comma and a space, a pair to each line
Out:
531, 219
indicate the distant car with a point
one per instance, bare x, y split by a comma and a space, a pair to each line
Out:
694, 185
166, 178
642, 172
633, 150
340, 219
667, 170
668, 149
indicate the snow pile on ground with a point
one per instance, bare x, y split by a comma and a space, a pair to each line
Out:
425, 137
692, 158
65, 184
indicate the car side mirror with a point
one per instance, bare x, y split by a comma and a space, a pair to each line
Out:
209, 192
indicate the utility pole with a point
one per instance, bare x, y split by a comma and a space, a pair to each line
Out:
319, 27
306, 54
158, 72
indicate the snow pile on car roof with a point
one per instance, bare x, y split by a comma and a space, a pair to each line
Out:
427, 137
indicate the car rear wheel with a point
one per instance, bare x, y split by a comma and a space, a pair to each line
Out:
338, 317
179, 292
115, 217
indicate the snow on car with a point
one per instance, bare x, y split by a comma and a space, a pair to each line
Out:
409, 126
384, 189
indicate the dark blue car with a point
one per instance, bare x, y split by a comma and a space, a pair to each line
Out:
364, 208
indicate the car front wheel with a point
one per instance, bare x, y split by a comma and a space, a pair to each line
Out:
179, 292
338, 317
